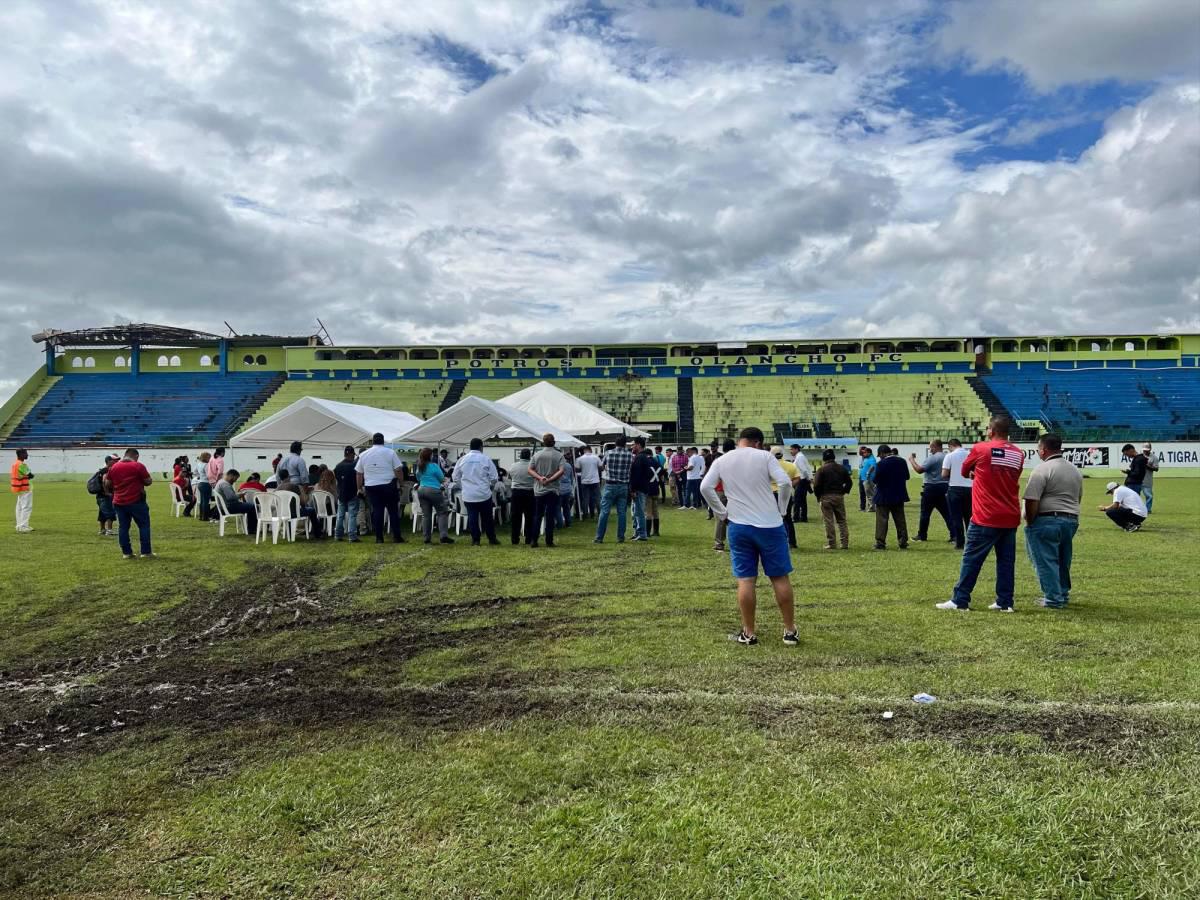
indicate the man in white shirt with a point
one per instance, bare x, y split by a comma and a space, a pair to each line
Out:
378, 469
1128, 510
475, 475
958, 497
695, 472
755, 533
588, 467
803, 486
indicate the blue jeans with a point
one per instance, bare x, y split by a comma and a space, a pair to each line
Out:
545, 510
347, 519
133, 512
206, 492
589, 499
694, 499
1148, 495
618, 494
980, 541
639, 515
1048, 542
564, 510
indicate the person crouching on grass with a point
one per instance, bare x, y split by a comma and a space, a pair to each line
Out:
755, 533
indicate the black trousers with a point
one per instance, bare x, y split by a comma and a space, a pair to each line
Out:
800, 501
933, 496
385, 497
480, 519
959, 501
546, 510
1124, 518
523, 518
790, 528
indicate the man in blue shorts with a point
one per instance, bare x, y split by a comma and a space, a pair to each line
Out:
756, 534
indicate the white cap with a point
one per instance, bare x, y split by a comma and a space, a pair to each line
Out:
1112, 486
1146, 446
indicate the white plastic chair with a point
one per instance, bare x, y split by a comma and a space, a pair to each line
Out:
178, 504
417, 515
288, 512
240, 525
326, 506
458, 509
269, 519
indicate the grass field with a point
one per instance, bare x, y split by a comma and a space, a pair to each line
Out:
332, 721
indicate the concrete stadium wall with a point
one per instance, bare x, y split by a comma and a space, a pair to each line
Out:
1097, 459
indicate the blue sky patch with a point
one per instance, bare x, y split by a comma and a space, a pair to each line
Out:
461, 59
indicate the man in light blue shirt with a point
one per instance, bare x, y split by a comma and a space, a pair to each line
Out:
866, 480
475, 475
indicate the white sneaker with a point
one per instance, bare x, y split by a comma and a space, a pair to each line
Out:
950, 604
998, 608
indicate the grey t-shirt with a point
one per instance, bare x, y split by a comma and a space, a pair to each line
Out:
1057, 486
521, 479
933, 468
546, 462
227, 492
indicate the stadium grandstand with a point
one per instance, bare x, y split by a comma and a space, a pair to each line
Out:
154, 385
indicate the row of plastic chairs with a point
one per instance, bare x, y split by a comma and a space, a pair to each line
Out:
278, 513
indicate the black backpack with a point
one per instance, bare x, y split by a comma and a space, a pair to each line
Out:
95, 484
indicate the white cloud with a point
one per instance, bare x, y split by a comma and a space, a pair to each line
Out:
1066, 41
266, 163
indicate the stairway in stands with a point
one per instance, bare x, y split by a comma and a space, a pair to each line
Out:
687, 409
454, 394
996, 407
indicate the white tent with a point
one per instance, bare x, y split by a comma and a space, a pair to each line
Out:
567, 411
474, 417
327, 424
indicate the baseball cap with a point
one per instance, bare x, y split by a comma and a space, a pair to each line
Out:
777, 450
1112, 486
1146, 446
110, 458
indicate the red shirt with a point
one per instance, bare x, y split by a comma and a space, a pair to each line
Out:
252, 486
128, 479
996, 491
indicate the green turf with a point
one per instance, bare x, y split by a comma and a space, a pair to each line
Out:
332, 721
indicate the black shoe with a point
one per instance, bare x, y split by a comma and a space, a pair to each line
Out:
446, 540
379, 540
400, 540
747, 639
918, 540
428, 540
879, 547
550, 544
791, 638
904, 546
493, 542
474, 543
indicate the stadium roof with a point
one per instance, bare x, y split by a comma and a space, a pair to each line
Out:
161, 335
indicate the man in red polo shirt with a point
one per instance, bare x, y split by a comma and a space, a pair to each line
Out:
128, 480
996, 466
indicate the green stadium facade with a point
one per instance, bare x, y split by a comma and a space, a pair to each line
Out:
159, 386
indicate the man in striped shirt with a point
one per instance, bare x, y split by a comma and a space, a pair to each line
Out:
996, 466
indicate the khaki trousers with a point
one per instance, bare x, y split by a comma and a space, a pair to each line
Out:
833, 512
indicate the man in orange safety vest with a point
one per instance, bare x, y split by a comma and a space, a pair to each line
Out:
19, 478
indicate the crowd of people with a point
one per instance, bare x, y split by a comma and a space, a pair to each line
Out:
756, 497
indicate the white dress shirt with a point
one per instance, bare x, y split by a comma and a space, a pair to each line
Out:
800, 461
474, 475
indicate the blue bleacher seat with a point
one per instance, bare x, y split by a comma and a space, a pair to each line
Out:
161, 408
1104, 404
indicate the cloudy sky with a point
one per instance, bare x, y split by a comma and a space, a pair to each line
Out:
447, 170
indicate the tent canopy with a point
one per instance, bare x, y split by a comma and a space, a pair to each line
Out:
474, 417
327, 424
567, 411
